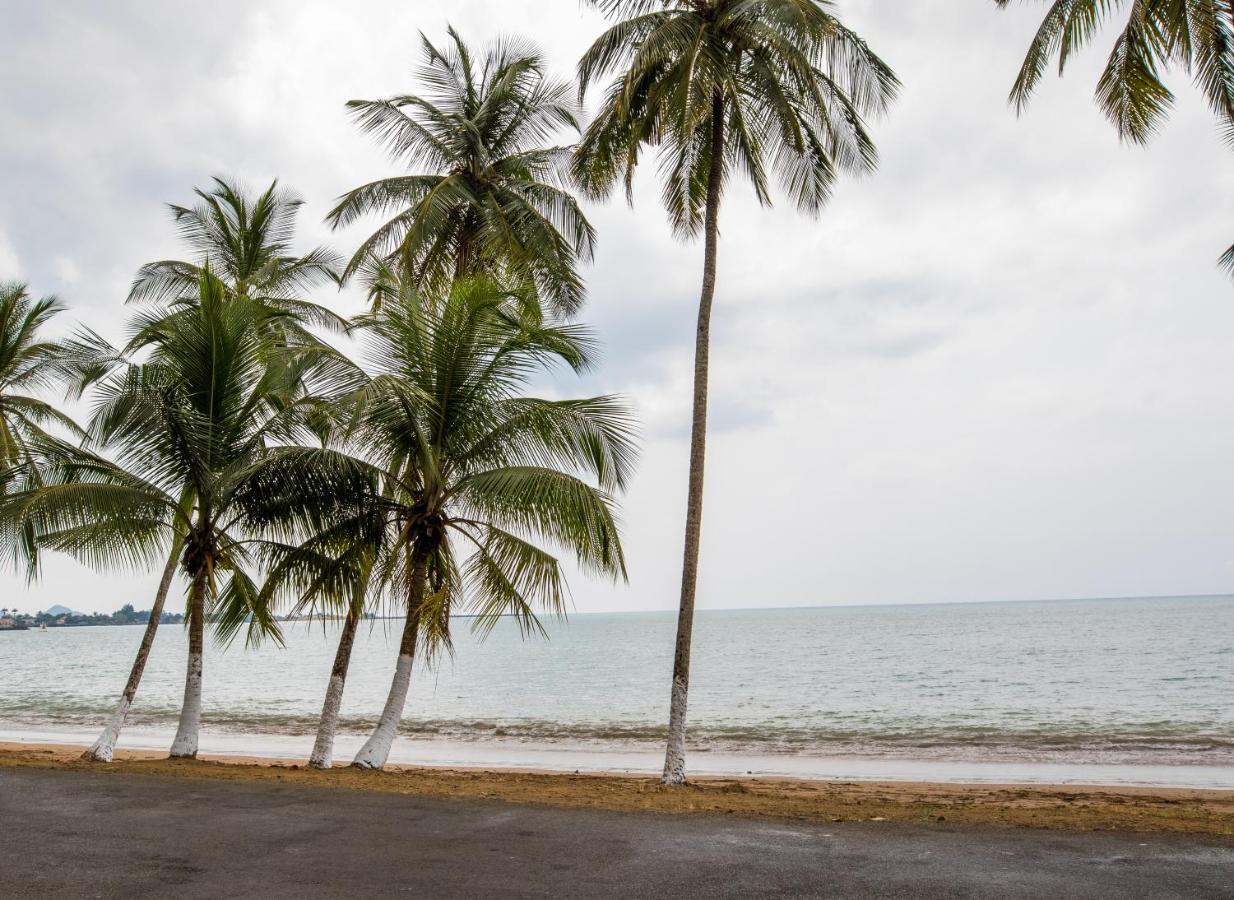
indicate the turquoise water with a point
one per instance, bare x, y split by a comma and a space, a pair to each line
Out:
1136, 682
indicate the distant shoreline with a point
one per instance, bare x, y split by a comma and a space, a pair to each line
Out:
176, 618
50, 625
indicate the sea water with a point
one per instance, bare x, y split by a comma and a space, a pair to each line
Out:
1109, 691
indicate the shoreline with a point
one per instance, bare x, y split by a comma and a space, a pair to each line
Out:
1055, 807
516, 754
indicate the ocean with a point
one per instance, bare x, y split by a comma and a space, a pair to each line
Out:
1103, 691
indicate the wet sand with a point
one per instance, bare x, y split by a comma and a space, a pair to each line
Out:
1061, 808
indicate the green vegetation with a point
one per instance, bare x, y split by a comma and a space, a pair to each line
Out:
474, 478
125, 615
27, 365
1196, 36
493, 199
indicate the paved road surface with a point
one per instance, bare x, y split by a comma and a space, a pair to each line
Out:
79, 834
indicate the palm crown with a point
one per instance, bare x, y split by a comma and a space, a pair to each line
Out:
27, 364
247, 242
200, 429
492, 195
791, 83
472, 474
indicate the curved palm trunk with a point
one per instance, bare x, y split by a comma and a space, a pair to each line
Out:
105, 746
322, 756
185, 744
376, 749
675, 752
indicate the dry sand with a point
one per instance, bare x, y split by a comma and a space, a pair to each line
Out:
1066, 808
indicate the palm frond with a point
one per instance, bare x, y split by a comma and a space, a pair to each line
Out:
242, 606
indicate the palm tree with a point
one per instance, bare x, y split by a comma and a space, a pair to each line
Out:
472, 478
202, 428
246, 242
717, 86
1195, 35
492, 194
27, 364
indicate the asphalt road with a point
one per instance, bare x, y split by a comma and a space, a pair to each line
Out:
78, 834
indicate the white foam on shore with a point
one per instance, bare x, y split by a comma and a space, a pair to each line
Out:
496, 753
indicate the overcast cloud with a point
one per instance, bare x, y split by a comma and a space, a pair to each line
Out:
1000, 368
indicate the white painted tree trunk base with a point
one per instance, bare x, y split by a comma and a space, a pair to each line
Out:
376, 749
322, 756
185, 744
105, 747
675, 753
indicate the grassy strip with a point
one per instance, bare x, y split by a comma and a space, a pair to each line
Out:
1159, 810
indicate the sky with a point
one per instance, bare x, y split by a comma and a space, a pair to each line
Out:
997, 369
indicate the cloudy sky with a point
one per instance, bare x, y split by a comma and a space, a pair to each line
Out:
999, 369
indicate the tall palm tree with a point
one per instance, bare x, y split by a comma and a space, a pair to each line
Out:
473, 478
203, 431
246, 241
760, 87
1194, 35
491, 192
28, 364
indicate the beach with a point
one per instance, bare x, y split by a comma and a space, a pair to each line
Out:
1054, 807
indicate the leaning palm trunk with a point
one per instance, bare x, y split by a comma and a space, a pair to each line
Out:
376, 749
322, 756
185, 744
675, 753
105, 746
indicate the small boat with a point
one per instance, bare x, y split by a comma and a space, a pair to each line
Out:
43, 627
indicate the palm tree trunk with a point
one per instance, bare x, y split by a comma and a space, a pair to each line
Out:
675, 752
185, 744
376, 749
105, 746
322, 756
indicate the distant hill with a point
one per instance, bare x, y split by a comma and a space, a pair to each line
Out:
59, 610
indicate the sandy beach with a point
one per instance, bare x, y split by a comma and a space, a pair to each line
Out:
1055, 807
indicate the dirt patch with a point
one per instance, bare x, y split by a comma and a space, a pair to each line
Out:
1062, 808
